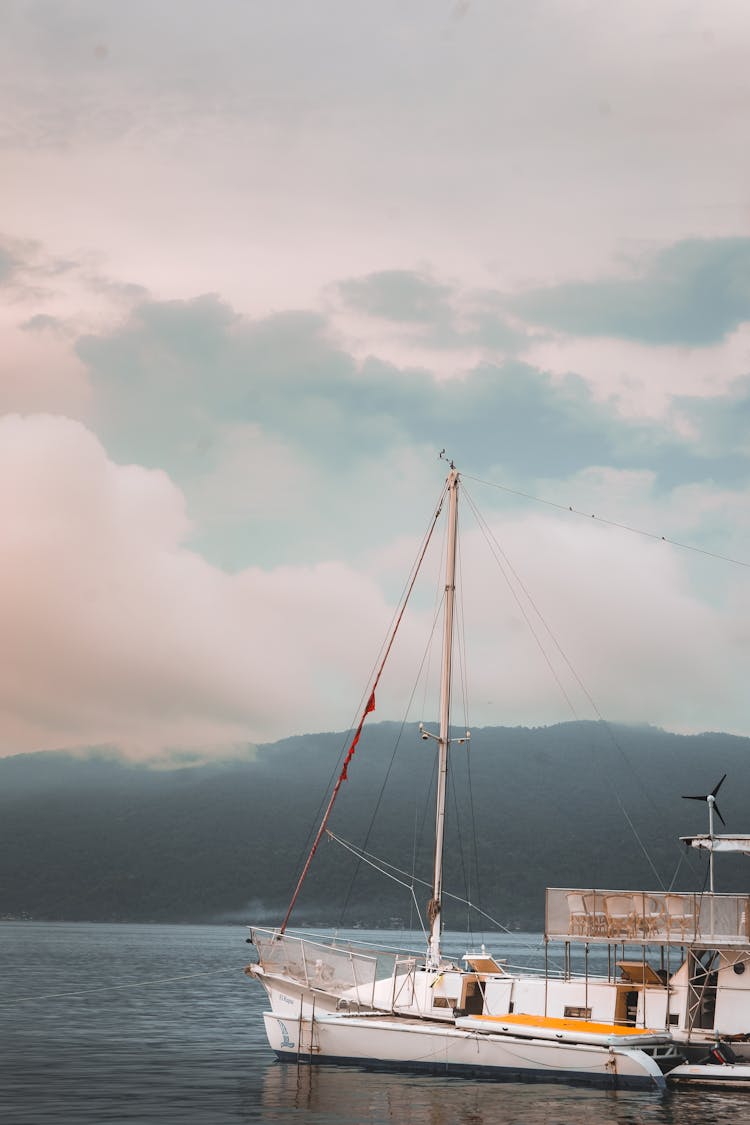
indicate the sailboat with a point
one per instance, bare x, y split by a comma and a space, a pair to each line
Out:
332, 1001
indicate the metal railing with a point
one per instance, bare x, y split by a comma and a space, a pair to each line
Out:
336, 969
595, 915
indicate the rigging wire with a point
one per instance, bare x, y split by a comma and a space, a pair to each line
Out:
380, 663
387, 869
463, 668
631, 529
610, 523
384, 646
459, 836
397, 743
6, 1000
465, 695
473, 821
498, 554
421, 675
384, 867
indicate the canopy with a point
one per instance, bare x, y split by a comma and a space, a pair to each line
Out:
719, 843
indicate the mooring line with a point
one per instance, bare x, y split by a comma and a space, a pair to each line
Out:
114, 987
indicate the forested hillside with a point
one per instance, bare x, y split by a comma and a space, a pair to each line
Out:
578, 803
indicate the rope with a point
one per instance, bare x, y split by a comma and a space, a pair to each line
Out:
385, 868
369, 706
497, 552
610, 523
115, 987
397, 743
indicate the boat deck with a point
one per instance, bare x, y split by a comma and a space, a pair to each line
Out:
555, 1023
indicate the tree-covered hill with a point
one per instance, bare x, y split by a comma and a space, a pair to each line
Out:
574, 804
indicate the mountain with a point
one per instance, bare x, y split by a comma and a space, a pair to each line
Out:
96, 838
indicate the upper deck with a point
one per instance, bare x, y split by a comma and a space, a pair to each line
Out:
648, 917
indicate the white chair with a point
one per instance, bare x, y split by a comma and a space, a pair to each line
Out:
649, 914
680, 914
597, 919
577, 913
620, 915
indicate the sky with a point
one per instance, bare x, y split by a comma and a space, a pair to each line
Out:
260, 263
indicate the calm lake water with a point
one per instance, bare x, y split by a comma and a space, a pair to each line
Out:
111, 1023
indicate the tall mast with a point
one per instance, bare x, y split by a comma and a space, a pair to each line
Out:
434, 907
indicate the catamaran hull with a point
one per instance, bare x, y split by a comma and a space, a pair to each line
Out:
402, 1044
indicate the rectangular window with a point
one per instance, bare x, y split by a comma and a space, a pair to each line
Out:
577, 1013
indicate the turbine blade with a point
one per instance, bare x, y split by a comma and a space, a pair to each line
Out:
721, 818
716, 788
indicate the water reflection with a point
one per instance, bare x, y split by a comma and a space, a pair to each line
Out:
350, 1096
157, 1025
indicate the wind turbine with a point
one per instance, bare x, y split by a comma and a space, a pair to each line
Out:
710, 799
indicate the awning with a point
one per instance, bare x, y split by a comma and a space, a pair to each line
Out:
739, 844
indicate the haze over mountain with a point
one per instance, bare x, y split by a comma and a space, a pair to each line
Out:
97, 838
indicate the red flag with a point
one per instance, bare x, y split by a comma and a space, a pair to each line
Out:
370, 707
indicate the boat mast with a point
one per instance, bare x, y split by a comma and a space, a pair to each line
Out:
435, 904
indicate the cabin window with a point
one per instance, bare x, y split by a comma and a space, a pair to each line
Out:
674, 1019
572, 1013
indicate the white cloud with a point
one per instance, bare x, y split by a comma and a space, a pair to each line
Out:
115, 632
38, 369
644, 641
643, 381
264, 158
267, 154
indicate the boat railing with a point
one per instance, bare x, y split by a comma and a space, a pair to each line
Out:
659, 917
335, 969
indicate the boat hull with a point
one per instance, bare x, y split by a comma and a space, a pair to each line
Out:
402, 1044
727, 1075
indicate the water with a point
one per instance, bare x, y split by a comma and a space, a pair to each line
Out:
157, 1024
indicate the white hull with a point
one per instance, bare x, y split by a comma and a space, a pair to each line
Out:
728, 1075
395, 1043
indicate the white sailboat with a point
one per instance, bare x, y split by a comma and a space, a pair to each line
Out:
332, 1002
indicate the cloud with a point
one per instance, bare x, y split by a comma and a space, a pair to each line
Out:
644, 381
42, 322
233, 406
180, 367
694, 293
643, 643
184, 385
721, 423
7, 265
399, 295
115, 632
431, 314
